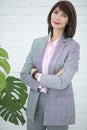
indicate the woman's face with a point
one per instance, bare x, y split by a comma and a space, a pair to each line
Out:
59, 19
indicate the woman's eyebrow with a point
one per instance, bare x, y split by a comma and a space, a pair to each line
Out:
56, 9
60, 10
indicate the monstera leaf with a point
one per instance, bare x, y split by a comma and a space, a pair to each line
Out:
5, 66
3, 60
13, 93
12, 101
2, 81
3, 53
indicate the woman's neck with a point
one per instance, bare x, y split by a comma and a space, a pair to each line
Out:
56, 35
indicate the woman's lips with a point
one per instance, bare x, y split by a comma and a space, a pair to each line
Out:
56, 22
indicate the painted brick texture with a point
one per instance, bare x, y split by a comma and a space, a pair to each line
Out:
23, 20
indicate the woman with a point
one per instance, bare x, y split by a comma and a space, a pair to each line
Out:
49, 69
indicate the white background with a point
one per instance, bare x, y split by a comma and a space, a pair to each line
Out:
23, 20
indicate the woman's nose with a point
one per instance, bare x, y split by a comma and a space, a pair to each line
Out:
58, 17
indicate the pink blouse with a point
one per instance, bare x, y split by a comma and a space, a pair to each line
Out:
51, 46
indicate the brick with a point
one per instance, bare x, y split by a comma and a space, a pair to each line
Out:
81, 10
24, 10
23, 27
82, 18
82, 27
50, 3
23, 19
16, 3
0, 2
22, 35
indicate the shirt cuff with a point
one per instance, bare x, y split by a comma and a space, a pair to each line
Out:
39, 77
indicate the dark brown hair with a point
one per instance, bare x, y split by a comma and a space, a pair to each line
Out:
68, 9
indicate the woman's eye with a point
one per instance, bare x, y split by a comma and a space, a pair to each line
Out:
64, 15
55, 12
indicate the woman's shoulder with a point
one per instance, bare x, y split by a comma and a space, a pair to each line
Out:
38, 42
72, 42
41, 38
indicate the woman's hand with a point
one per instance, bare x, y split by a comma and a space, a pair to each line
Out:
32, 70
61, 71
37, 74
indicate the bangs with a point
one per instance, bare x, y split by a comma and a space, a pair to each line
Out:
64, 8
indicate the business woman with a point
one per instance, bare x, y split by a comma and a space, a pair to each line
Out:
49, 69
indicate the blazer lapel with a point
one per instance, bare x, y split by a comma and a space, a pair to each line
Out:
61, 45
41, 52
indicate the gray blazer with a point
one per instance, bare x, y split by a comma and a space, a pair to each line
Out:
59, 107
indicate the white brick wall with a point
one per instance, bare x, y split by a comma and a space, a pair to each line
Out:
23, 20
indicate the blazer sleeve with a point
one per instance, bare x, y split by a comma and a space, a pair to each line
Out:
26, 70
71, 67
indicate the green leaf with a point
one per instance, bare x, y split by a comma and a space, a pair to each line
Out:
6, 115
0, 94
5, 65
13, 100
2, 81
13, 93
20, 117
3, 53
